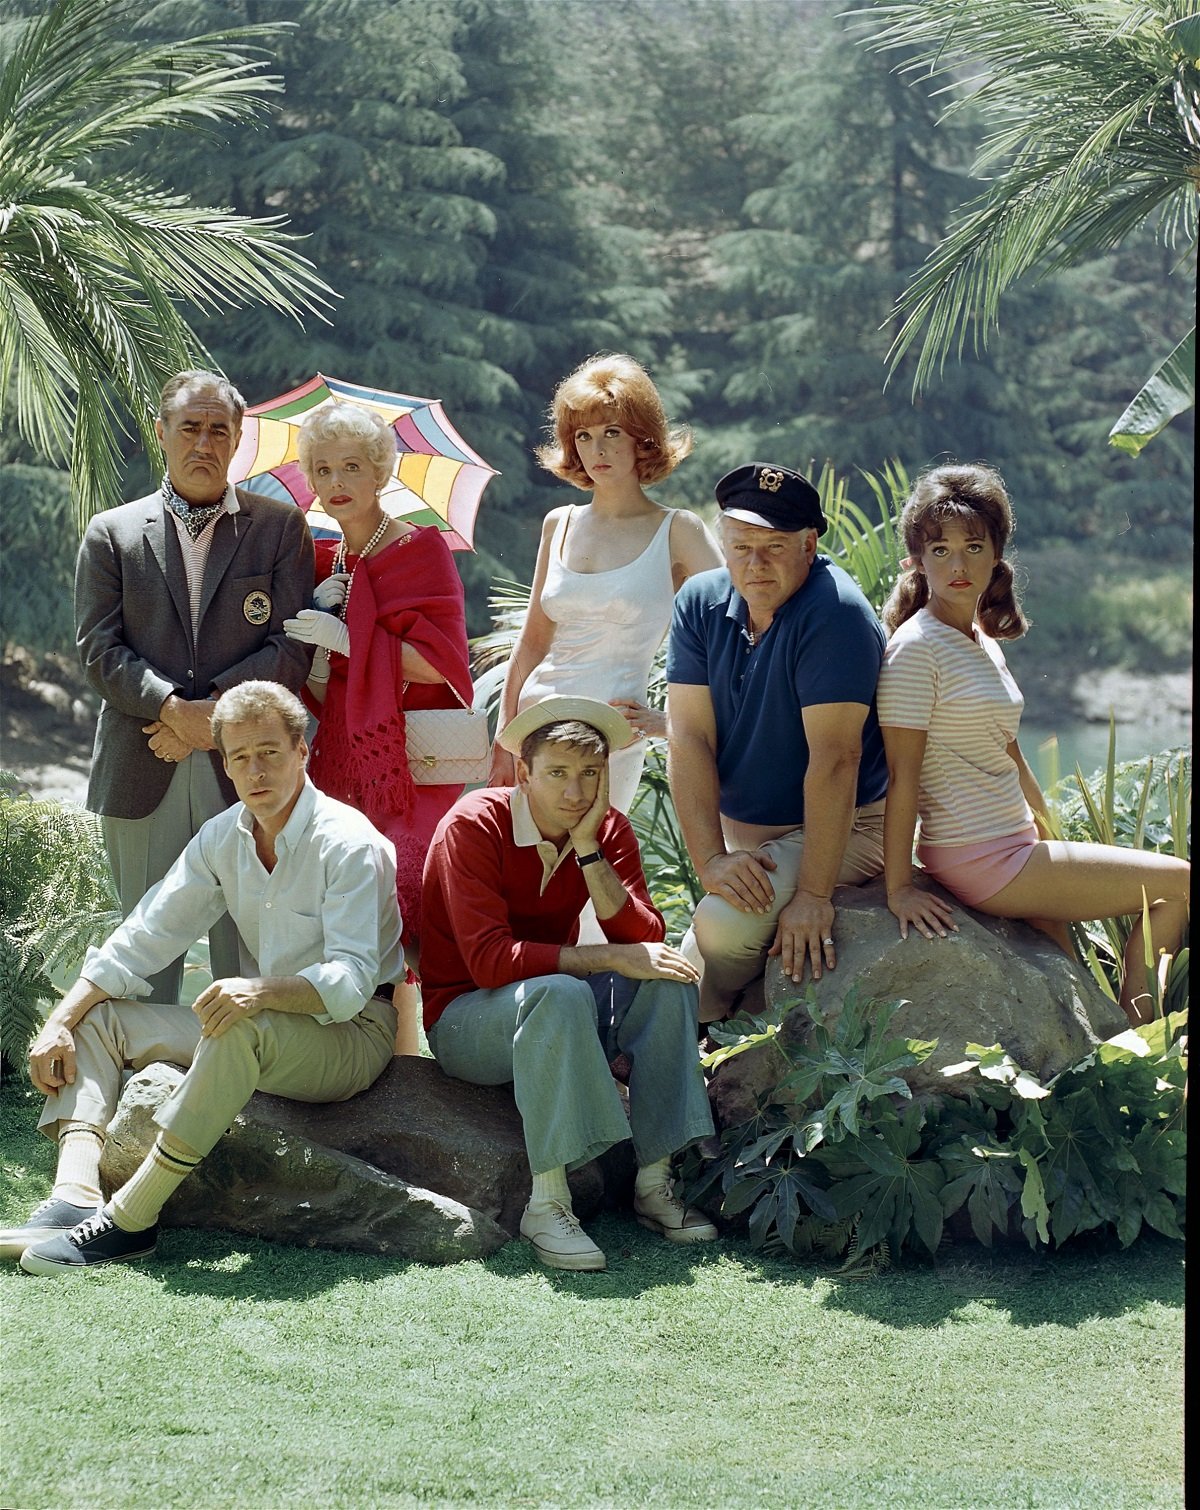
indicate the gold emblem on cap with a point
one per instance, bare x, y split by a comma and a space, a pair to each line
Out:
769, 480
256, 607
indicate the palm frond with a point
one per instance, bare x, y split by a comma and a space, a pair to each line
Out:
94, 265
1093, 115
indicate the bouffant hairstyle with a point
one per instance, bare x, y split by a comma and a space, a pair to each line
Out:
612, 389
200, 380
571, 731
975, 497
343, 421
254, 700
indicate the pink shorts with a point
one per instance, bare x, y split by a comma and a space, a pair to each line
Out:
975, 872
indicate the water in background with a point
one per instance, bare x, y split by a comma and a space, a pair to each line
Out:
1087, 744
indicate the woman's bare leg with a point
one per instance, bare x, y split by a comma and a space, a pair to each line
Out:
1070, 883
1058, 931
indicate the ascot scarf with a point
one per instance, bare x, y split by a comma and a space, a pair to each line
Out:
196, 517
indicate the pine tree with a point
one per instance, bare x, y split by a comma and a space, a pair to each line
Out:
851, 188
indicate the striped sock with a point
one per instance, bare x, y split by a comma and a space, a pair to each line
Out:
77, 1178
136, 1205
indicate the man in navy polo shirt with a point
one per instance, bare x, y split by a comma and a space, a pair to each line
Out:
776, 762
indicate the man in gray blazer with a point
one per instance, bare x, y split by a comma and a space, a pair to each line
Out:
179, 596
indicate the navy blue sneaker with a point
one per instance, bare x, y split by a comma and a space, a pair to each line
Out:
96, 1241
50, 1217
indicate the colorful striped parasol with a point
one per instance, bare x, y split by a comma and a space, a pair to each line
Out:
438, 480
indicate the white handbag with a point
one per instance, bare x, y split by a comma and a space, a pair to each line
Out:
447, 746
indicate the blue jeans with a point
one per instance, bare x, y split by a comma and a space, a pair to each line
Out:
554, 1036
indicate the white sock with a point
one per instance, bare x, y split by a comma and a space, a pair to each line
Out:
551, 1186
136, 1205
653, 1177
77, 1178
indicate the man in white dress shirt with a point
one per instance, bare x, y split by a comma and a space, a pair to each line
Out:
311, 886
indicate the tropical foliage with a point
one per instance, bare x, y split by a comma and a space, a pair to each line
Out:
56, 899
841, 1160
1093, 130
94, 259
1142, 804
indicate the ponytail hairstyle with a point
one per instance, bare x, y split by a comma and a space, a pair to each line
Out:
974, 497
612, 389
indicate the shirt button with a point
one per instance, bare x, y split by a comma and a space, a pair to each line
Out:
191, 676
267, 905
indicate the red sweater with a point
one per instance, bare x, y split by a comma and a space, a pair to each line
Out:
483, 922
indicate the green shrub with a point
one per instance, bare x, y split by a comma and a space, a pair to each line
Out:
1088, 609
1138, 804
56, 899
840, 1159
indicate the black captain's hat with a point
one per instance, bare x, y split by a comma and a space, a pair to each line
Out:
776, 498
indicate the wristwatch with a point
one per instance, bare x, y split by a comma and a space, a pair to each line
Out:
591, 859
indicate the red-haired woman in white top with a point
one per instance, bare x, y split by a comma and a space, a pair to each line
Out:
607, 570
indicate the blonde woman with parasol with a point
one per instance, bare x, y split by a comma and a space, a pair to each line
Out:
389, 635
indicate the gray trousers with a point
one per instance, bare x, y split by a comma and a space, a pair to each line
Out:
286, 1053
553, 1037
142, 850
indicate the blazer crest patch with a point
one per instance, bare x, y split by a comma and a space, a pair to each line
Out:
256, 607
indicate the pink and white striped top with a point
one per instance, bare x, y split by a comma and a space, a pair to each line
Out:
961, 693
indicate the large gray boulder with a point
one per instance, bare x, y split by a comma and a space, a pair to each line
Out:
460, 1139
418, 1165
994, 981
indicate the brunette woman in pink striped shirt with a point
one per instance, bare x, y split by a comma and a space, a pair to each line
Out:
950, 712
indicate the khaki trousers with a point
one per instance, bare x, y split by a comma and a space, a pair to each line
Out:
285, 1053
730, 947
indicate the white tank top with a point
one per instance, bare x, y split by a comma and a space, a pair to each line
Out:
607, 627
607, 624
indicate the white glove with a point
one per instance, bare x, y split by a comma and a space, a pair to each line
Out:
331, 593
312, 627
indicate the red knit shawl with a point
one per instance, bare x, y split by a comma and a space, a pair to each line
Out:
410, 593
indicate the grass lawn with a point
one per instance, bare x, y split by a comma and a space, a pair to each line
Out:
230, 1373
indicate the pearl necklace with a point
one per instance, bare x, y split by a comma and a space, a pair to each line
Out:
339, 559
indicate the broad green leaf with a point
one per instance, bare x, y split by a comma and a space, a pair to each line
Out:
762, 1219
1160, 1213
1033, 1196
765, 1146
744, 1194
925, 1184
1185, 34
812, 1131
1124, 1045
1169, 392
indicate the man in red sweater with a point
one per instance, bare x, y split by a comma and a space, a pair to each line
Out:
510, 996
